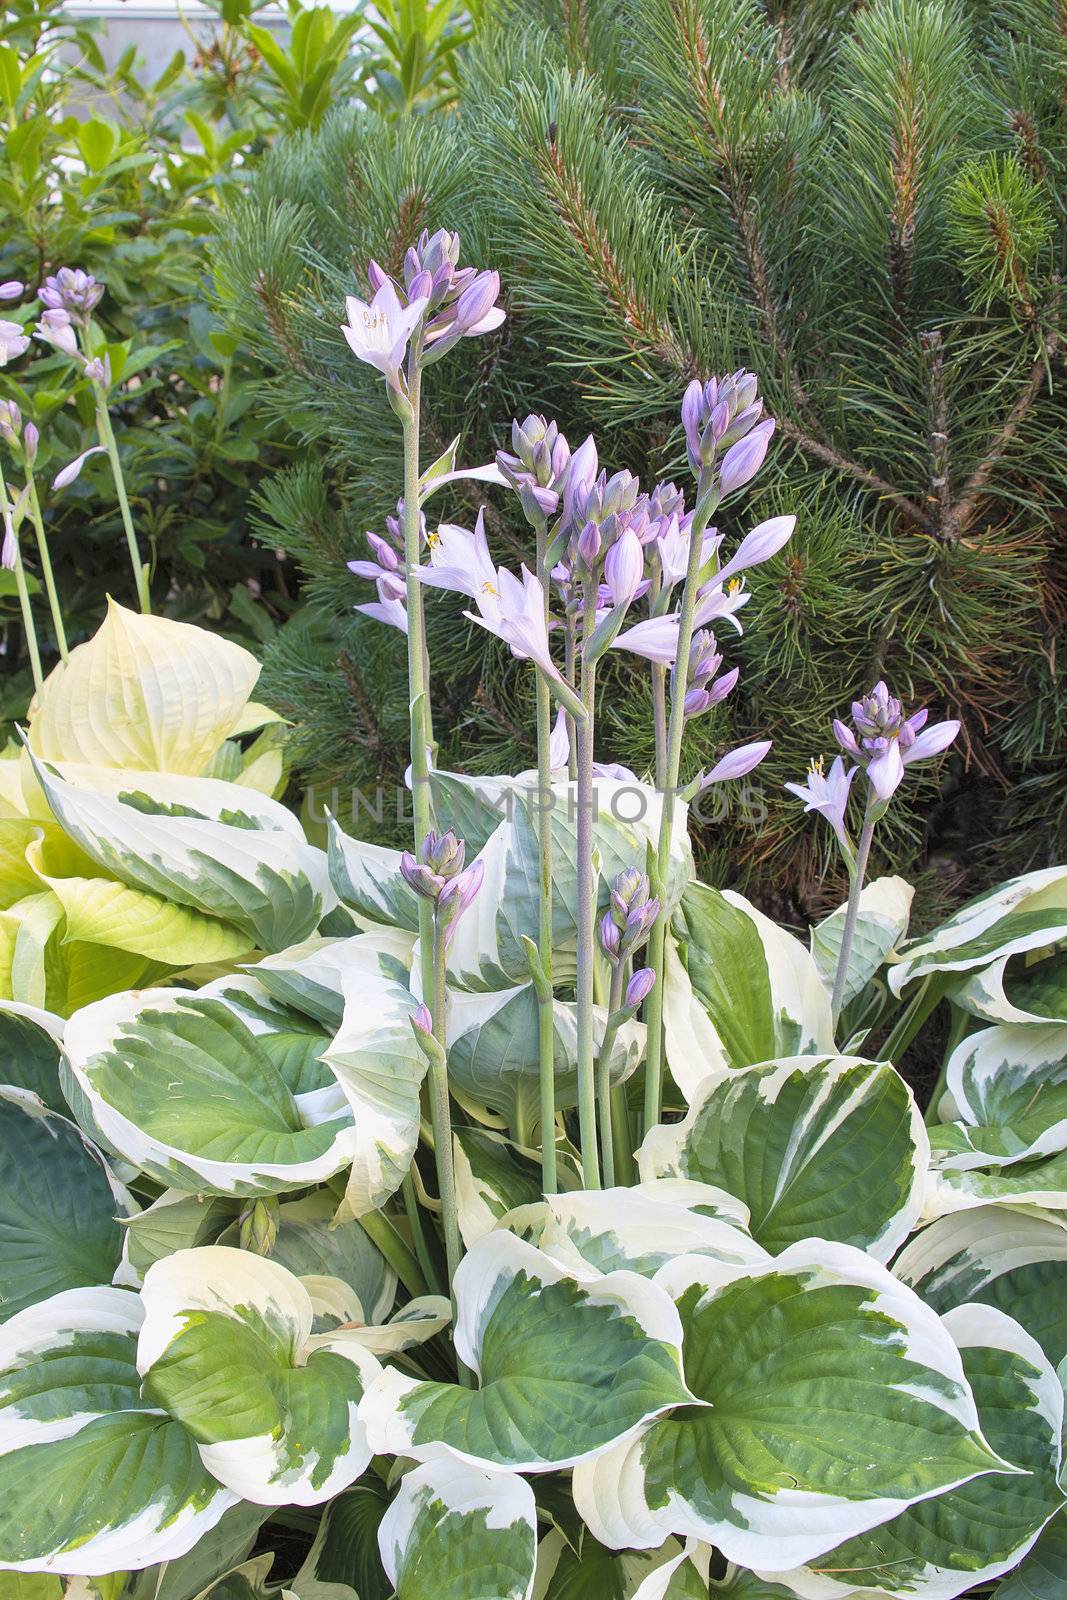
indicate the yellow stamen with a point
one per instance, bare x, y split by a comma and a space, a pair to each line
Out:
816, 766
487, 588
433, 539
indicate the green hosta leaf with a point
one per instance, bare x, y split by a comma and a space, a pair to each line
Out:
343, 1562
29, 1052
640, 1229
999, 1256
144, 692
834, 1147
220, 1551
256, 872
39, 968
310, 976
311, 1244
1017, 989
759, 986
742, 1585
941, 1547
832, 1399
1025, 913
58, 1206
581, 1569
456, 1531
884, 910
176, 1221
227, 1349
683, 1577
1009, 1084
564, 1366
183, 1088
1043, 1575
491, 1180
92, 1478
366, 878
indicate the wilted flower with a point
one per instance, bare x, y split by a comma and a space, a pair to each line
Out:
10, 422
827, 793
98, 369
379, 332
13, 342
71, 290
885, 741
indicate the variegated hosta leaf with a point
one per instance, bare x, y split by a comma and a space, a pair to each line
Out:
941, 1547
1030, 1183
1000, 1256
311, 1243
832, 1399
183, 1088
493, 1050
1017, 989
884, 910
1009, 1084
223, 1549
29, 1052
491, 1180
41, 968
366, 878
227, 1348
175, 1221
759, 986
1043, 1575
740, 1584
457, 1531
310, 976
212, 846
576, 1567
812, 1145
1025, 913
93, 1478
144, 692
640, 1229
58, 1206
564, 1367
683, 1577
344, 1562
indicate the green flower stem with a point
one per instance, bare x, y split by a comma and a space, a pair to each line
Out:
659, 722
546, 1032
46, 566
586, 992
107, 438
622, 1137
961, 1022
569, 666
418, 685
381, 1232
706, 502
863, 850
441, 1116
28, 625
603, 1072
418, 1234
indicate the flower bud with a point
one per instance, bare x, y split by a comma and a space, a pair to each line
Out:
640, 987
443, 853
31, 439
610, 936
259, 1226
743, 460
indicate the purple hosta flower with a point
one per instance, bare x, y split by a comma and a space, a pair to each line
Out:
656, 638
98, 370
639, 988
388, 608
385, 565
736, 763
71, 290
743, 460
627, 922
517, 615
13, 342
12, 289
885, 741
827, 793
717, 413
457, 896
559, 743
672, 547
9, 551
715, 601
460, 302
379, 332
57, 329
421, 1019
581, 475
704, 688
10, 422
764, 541
536, 465
72, 470
460, 561
440, 859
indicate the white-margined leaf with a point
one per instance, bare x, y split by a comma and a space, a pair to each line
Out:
310, 976
884, 910
1025, 913
832, 1399
457, 1531
59, 1206
1009, 1085
366, 878
492, 1178
1043, 1575
833, 1146
1029, 1183
683, 1577
939, 1548
577, 1567
175, 1221
564, 1367
1022, 988
227, 1349
220, 1550
343, 1562
641, 1228
1001, 1256
93, 1478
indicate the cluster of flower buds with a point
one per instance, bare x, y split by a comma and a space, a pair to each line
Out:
460, 301
883, 741
23, 441
722, 423
437, 873
386, 571
627, 923
536, 466
73, 291
704, 688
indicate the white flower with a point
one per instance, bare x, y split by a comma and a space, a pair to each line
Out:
379, 333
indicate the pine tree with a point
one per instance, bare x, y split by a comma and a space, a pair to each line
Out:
863, 204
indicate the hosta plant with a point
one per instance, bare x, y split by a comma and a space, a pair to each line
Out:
515, 1215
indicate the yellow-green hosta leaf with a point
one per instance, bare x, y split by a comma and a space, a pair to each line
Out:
456, 1531
884, 910
828, 1146
102, 911
1021, 988
941, 1547
17, 877
227, 1349
564, 1366
144, 692
59, 1206
1002, 1256
759, 987
1026, 913
40, 967
641, 1228
1009, 1085
93, 1478
831, 1399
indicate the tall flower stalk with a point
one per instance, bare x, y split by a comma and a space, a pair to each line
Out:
585, 995
12, 561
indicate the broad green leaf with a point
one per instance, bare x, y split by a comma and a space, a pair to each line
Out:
343, 1562
1001, 1256
641, 1228
310, 976
1009, 1085
1025, 913
1043, 1575
1024, 988
833, 1147
144, 692
578, 1568
884, 910
29, 1052
683, 1577
175, 1221
740, 1584
92, 1478
58, 1206
492, 1178
219, 1551
518, 1312
184, 1089
227, 1349
832, 1399
457, 1531
940, 1547
759, 986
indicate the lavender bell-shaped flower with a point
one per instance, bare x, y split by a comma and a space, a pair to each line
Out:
827, 793
717, 414
536, 466
13, 341
627, 923
639, 988
12, 289
883, 741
